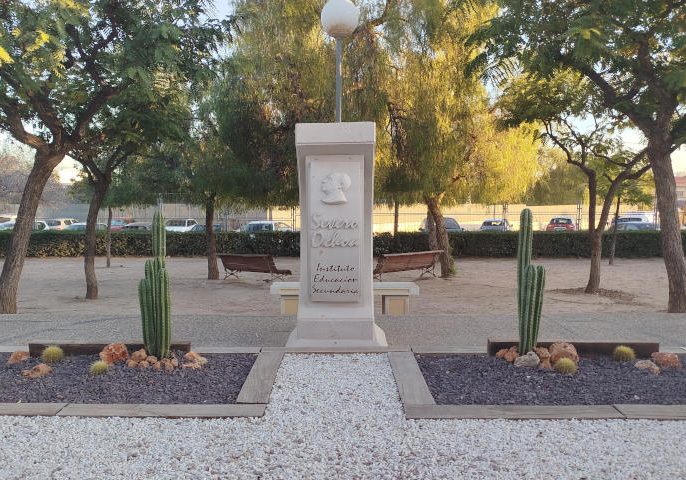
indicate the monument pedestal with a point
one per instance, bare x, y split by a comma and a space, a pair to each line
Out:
336, 179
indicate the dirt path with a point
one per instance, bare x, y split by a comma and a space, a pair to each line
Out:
481, 286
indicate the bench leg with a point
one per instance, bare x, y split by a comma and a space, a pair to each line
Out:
289, 304
395, 305
230, 273
428, 271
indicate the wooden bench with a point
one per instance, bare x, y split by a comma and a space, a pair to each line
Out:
395, 296
234, 263
401, 262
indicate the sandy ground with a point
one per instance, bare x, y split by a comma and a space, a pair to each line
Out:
56, 285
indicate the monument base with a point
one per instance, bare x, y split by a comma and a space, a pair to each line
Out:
330, 334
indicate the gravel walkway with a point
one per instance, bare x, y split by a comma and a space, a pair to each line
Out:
338, 417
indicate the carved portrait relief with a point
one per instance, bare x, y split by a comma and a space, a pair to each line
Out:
334, 186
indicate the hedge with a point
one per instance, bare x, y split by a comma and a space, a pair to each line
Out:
287, 244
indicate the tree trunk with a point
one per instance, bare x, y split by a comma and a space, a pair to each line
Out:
596, 252
108, 238
90, 239
447, 263
592, 200
396, 207
431, 230
672, 250
45, 162
614, 232
212, 269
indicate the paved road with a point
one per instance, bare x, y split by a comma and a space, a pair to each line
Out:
455, 330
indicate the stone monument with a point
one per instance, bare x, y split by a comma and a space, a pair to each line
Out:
336, 179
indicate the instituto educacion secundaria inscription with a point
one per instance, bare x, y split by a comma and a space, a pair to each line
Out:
335, 214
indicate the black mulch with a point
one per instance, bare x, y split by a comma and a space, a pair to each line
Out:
219, 381
482, 380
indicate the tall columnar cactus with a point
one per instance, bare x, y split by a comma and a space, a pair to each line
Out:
153, 295
530, 283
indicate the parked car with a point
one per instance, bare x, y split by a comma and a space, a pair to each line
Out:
495, 225
179, 225
134, 226
633, 226
59, 223
118, 224
81, 227
200, 228
450, 223
266, 226
634, 217
38, 225
560, 224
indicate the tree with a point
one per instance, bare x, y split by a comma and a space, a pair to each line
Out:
557, 182
443, 131
632, 54
562, 104
61, 63
16, 167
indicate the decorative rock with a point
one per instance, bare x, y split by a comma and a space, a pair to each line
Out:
114, 352
151, 359
528, 360
139, 355
647, 365
666, 360
195, 358
132, 364
143, 364
542, 352
157, 365
507, 354
38, 371
192, 365
544, 355
174, 362
18, 357
168, 367
563, 350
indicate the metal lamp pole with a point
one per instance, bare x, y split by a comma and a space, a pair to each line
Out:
339, 78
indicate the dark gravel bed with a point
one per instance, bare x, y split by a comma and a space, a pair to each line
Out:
482, 380
219, 381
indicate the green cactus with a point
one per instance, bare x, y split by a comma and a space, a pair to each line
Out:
99, 367
530, 284
566, 366
52, 354
622, 353
153, 295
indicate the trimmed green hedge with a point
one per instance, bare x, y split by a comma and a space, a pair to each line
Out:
287, 244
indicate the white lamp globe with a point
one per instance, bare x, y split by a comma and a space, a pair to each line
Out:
340, 18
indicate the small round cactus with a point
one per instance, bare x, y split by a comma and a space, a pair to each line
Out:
622, 353
565, 365
52, 354
99, 367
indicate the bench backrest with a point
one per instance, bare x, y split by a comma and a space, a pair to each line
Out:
400, 262
248, 262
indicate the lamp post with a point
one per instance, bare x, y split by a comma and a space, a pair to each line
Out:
339, 19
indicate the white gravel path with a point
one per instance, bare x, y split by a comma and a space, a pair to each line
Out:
338, 417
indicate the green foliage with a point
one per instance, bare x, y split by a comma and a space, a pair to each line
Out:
640, 244
622, 353
52, 354
530, 285
99, 367
565, 366
153, 295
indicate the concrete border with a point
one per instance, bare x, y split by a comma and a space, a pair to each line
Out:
259, 383
419, 404
251, 401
